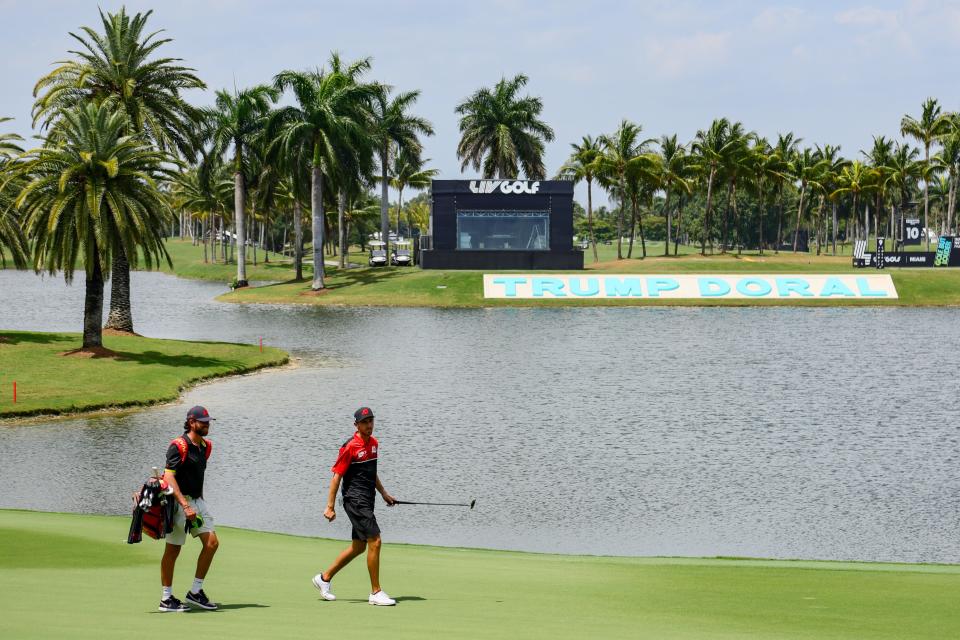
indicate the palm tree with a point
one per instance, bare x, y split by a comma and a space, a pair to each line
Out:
582, 165
931, 126
673, 164
712, 147
829, 182
786, 149
234, 123
879, 159
619, 150
11, 233
394, 129
89, 194
806, 168
735, 164
329, 122
904, 170
949, 160
854, 180
116, 68
500, 133
408, 172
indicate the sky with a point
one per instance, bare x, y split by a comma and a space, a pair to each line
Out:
831, 72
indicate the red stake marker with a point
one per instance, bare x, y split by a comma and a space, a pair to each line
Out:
14, 392
261, 345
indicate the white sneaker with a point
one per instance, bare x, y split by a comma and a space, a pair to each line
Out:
323, 586
381, 599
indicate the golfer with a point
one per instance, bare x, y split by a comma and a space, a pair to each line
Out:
356, 467
186, 463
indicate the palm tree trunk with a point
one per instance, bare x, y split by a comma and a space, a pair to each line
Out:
203, 236
676, 241
643, 240
593, 238
796, 232
736, 218
93, 305
317, 220
298, 238
666, 209
760, 213
776, 249
706, 215
399, 209
834, 228
926, 193
819, 218
120, 317
620, 226
633, 224
726, 216
951, 200
384, 202
342, 227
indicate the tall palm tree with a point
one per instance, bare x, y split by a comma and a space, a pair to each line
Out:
394, 128
330, 123
712, 148
949, 160
582, 165
786, 149
234, 123
904, 169
806, 168
854, 180
117, 68
879, 159
500, 132
12, 239
735, 165
90, 193
931, 126
619, 150
673, 165
408, 172
830, 182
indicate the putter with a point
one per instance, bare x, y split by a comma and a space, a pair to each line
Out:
439, 504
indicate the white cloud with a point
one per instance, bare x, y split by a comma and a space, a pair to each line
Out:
883, 20
778, 19
687, 54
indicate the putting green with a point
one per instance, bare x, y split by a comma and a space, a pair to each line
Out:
73, 576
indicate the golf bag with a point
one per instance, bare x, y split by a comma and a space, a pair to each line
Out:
152, 511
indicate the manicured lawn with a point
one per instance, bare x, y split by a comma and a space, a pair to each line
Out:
410, 286
143, 371
73, 576
406, 286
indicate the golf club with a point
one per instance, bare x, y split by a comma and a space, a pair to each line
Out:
439, 504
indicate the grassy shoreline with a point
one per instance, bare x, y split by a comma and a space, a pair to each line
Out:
143, 371
81, 563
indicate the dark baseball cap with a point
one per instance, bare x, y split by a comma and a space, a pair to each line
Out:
199, 413
362, 414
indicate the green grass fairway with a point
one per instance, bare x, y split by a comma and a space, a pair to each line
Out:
144, 370
70, 576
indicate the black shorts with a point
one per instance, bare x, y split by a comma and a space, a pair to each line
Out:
364, 522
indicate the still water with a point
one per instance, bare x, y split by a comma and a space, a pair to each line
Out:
764, 432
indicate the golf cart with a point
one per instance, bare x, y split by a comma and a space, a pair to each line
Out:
401, 254
378, 253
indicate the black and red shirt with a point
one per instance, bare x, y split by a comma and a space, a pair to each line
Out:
189, 472
357, 465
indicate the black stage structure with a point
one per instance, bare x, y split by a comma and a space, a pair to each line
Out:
501, 224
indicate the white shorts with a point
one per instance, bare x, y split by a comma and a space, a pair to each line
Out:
179, 536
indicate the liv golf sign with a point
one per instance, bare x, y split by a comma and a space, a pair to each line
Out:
706, 287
